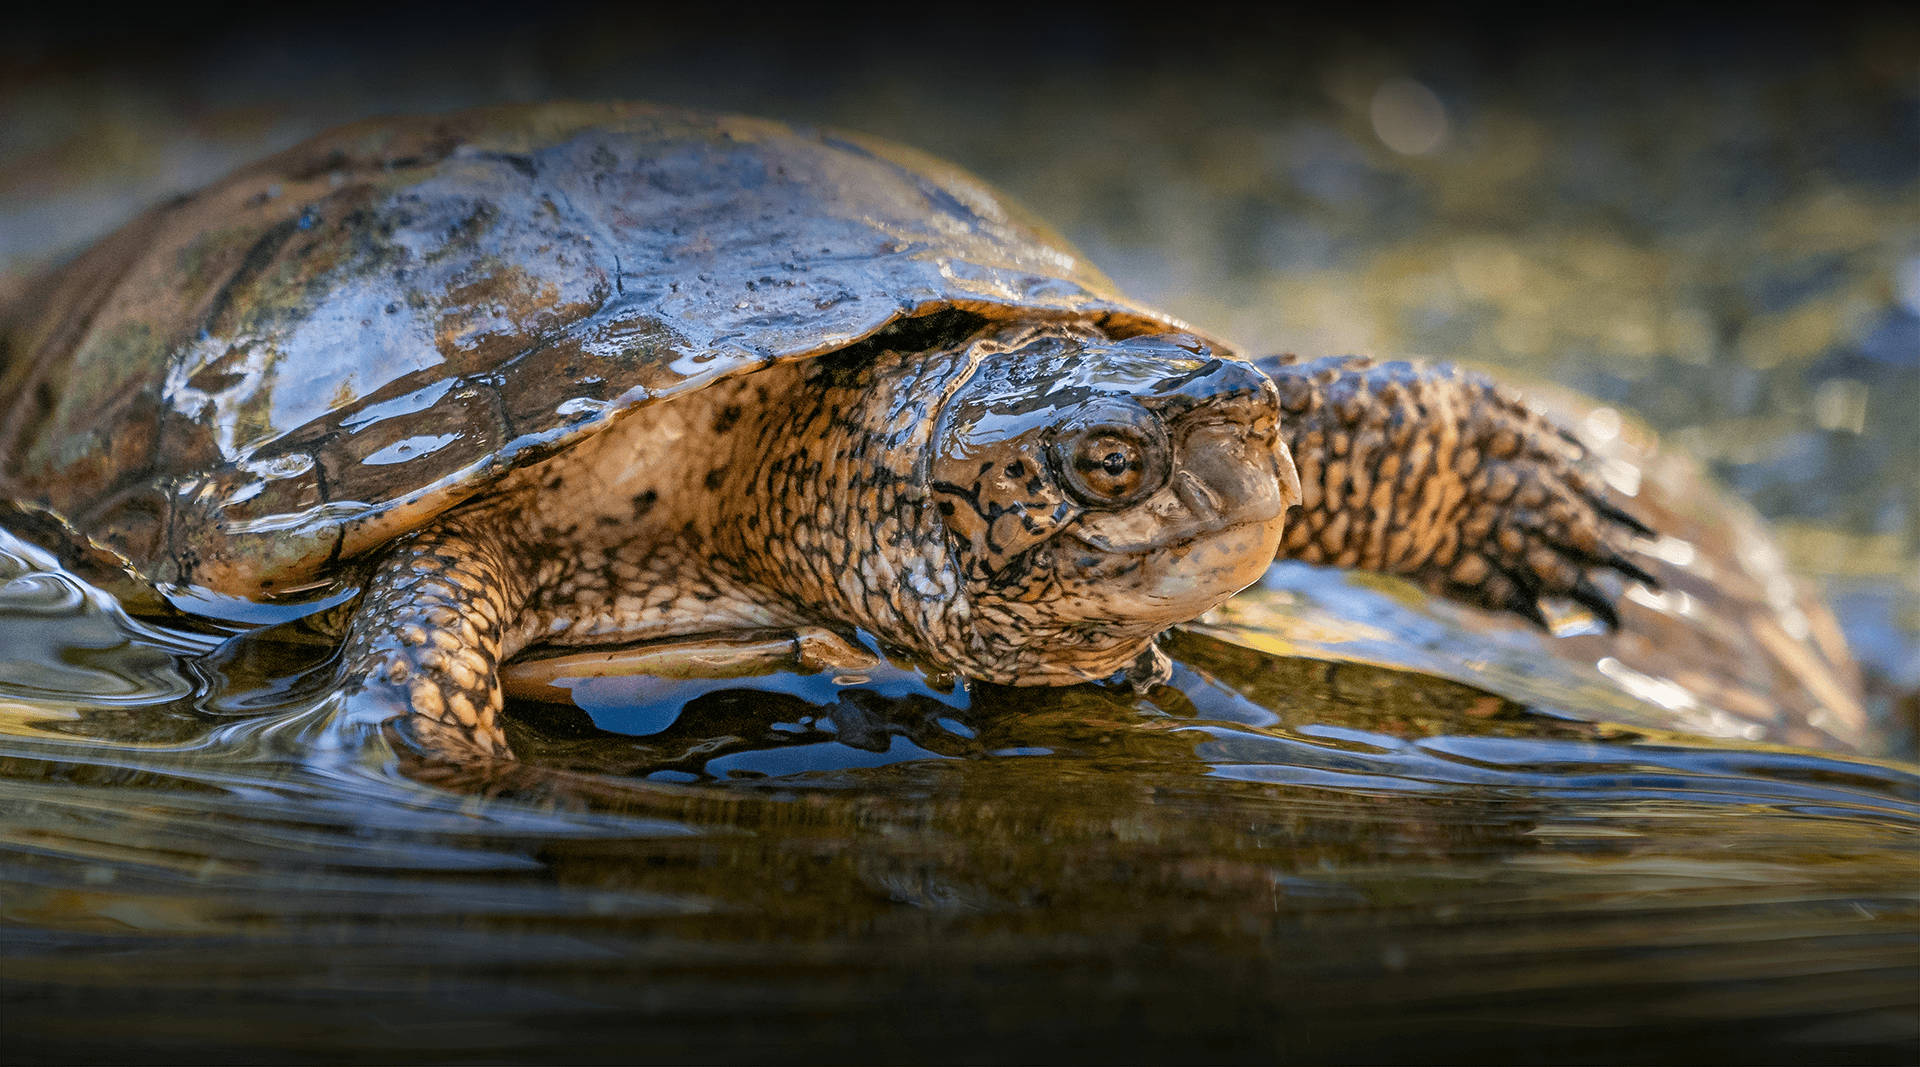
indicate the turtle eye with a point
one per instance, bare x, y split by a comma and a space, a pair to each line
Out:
1110, 466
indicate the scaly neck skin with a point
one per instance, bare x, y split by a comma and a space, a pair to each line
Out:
829, 509
827, 505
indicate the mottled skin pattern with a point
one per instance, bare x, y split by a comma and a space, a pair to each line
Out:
1437, 474
812, 493
442, 609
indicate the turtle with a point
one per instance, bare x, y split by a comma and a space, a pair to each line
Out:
533, 381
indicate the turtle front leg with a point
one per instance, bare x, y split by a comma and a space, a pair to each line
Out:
1436, 474
425, 644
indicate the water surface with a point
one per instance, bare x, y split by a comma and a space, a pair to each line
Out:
1270, 857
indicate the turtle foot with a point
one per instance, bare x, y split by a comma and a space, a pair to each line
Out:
1439, 475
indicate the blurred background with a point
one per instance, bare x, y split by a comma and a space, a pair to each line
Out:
1712, 225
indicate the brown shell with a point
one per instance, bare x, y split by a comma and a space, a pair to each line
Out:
332, 346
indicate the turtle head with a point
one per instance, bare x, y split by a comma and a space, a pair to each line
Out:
1098, 491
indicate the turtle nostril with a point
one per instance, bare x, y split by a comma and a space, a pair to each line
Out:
1197, 495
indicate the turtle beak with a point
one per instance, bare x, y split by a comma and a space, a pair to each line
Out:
1289, 475
1228, 475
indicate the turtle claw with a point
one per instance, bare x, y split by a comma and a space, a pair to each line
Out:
1594, 599
1617, 515
1527, 606
1584, 531
1569, 534
1573, 569
1618, 562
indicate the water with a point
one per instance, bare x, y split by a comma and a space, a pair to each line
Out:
1359, 826
1272, 856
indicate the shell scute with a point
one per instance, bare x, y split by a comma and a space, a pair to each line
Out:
246, 386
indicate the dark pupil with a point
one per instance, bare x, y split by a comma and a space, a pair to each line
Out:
1112, 468
1107, 466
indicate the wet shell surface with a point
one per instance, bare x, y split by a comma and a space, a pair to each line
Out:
329, 348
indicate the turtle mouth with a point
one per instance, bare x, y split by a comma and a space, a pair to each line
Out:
1137, 549
1175, 578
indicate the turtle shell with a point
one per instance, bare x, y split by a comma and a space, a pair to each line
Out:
245, 386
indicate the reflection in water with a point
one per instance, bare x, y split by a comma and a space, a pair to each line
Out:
1272, 856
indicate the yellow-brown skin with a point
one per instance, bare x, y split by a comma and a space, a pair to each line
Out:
824, 492
1440, 476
